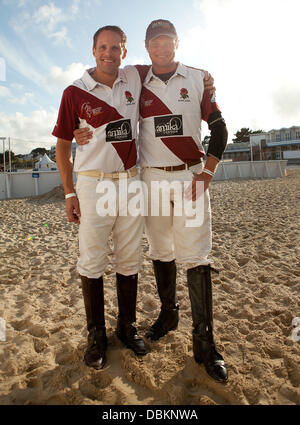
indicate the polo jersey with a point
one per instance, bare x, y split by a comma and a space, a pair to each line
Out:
112, 115
171, 114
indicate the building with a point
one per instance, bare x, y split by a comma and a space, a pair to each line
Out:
274, 144
237, 152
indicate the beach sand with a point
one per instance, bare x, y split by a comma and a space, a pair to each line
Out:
256, 296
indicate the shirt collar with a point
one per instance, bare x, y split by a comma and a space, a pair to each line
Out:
90, 83
181, 70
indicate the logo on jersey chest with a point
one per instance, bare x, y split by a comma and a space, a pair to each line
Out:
87, 110
118, 131
146, 103
129, 98
169, 125
184, 95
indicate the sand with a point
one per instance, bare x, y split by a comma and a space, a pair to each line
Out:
256, 296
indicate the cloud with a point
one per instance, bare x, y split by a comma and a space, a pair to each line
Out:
49, 16
35, 129
49, 20
62, 78
60, 37
5, 92
21, 100
250, 49
16, 86
17, 59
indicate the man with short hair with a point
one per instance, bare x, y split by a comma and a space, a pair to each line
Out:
175, 99
100, 101
173, 92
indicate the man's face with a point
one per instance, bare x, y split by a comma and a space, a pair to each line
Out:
109, 52
162, 51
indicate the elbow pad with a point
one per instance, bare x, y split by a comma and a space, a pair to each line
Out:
218, 135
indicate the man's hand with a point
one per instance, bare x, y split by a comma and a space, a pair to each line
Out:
83, 135
191, 192
73, 209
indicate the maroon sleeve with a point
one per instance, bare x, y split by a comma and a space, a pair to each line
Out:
67, 120
208, 103
143, 71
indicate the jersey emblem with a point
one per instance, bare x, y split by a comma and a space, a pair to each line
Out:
168, 125
86, 109
184, 95
119, 131
147, 103
129, 98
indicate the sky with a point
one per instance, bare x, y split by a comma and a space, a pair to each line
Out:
250, 47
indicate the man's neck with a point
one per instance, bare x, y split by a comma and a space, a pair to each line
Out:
164, 69
103, 78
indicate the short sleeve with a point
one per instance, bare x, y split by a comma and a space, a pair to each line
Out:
67, 120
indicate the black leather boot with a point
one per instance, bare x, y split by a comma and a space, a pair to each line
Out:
126, 331
200, 292
93, 296
165, 274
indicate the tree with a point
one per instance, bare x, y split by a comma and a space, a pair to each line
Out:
12, 156
243, 135
38, 151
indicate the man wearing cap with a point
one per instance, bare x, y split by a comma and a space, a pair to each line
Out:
100, 100
173, 92
174, 100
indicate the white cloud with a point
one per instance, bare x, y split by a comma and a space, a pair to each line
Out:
17, 59
48, 19
250, 47
62, 78
16, 86
21, 100
35, 129
60, 37
49, 16
4, 92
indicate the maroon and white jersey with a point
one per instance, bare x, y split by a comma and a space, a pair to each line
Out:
112, 115
171, 114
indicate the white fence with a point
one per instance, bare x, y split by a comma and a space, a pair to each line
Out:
250, 170
22, 184
28, 183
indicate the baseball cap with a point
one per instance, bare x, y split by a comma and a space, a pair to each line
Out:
160, 27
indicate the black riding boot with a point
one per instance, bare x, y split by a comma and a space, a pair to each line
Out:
165, 274
200, 291
126, 331
93, 296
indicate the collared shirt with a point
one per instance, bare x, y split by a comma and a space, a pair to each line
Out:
171, 114
112, 115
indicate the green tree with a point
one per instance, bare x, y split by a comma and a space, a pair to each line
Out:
243, 135
12, 156
38, 151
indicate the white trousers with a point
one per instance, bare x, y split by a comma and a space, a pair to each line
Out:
168, 236
94, 232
